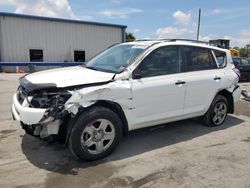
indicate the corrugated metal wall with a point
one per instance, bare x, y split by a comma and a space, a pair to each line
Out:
57, 39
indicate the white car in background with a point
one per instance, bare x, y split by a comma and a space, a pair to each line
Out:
127, 87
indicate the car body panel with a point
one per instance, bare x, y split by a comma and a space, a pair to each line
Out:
22, 112
157, 99
236, 94
145, 102
69, 76
202, 87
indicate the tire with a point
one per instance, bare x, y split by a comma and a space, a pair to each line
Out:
95, 133
217, 112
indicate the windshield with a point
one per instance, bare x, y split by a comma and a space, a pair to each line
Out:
116, 58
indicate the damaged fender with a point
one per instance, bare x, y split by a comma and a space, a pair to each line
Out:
118, 91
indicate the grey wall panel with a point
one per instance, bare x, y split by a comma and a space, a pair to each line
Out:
57, 39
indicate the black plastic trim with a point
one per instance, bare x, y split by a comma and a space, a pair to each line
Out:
29, 87
236, 87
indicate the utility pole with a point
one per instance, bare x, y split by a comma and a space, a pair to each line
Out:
199, 22
248, 46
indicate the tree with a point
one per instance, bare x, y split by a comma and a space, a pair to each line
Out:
130, 37
243, 52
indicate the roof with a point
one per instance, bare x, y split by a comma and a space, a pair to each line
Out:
220, 40
59, 19
188, 42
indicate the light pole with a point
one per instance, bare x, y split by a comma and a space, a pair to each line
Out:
199, 21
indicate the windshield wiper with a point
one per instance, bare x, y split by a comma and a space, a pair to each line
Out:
93, 68
101, 69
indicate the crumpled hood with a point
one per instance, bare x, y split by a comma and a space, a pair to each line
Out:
69, 76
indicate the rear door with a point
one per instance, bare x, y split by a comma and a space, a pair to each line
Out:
203, 79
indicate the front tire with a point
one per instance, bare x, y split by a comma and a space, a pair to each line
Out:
217, 112
95, 134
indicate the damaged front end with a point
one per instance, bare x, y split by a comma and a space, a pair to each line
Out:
40, 110
55, 112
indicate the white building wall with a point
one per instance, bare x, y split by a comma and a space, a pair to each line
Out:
57, 39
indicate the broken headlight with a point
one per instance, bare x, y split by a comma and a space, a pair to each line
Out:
53, 102
48, 99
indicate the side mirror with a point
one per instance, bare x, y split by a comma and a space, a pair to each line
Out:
137, 76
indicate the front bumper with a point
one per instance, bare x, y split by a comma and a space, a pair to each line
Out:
23, 113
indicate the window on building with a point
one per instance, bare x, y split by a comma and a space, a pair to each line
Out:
198, 59
79, 56
36, 55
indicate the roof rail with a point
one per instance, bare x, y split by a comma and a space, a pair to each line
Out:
138, 40
187, 40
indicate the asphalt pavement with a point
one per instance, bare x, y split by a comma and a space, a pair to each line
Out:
180, 154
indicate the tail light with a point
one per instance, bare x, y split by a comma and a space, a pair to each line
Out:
237, 72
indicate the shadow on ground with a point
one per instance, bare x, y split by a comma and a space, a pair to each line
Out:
57, 158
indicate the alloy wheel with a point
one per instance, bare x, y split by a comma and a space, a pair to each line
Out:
219, 113
98, 136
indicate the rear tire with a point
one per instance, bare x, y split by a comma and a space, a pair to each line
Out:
217, 112
95, 134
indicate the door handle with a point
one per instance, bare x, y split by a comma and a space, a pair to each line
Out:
179, 82
217, 78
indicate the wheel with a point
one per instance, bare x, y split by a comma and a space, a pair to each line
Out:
95, 134
217, 112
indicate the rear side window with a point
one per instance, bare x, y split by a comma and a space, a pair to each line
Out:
198, 59
221, 58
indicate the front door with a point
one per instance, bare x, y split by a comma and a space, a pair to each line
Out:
158, 88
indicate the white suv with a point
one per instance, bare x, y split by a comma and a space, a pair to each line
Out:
127, 87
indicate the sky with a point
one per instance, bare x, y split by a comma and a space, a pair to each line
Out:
151, 19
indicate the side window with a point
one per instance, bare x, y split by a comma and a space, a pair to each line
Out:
162, 61
245, 62
220, 57
236, 61
198, 59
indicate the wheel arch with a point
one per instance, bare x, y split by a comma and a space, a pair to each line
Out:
229, 96
115, 107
